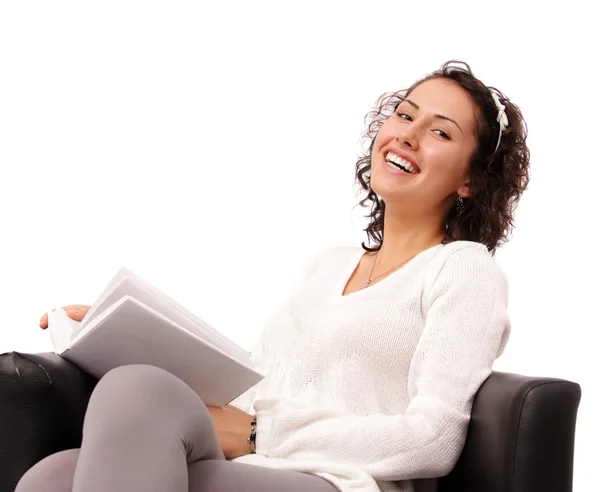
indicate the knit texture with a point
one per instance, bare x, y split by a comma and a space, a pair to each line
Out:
373, 390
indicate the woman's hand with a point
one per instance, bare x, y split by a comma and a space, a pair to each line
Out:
74, 311
233, 430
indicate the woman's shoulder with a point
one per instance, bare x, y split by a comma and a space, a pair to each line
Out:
468, 247
466, 260
466, 251
463, 248
458, 258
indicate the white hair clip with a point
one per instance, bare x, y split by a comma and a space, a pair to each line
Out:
502, 119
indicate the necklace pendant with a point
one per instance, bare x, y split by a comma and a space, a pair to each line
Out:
366, 284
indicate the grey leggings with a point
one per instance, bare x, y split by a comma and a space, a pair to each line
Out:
146, 430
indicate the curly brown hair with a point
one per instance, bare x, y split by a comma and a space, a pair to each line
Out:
498, 177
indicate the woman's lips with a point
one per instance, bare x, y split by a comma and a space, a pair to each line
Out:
395, 170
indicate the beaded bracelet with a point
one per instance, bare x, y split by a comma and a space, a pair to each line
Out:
252, 438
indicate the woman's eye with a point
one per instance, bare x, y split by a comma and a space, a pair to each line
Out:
442, 134
404, 116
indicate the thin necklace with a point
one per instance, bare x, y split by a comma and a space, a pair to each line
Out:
366, 284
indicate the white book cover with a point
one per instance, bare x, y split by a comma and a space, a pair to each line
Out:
134, 323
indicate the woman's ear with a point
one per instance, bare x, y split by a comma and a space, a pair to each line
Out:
464, 191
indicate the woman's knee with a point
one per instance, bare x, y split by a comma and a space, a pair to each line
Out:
136, 385
52, 474
137, 395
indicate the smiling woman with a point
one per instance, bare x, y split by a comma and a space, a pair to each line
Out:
372, 362
451, 128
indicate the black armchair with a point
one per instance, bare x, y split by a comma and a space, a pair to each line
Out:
520, 439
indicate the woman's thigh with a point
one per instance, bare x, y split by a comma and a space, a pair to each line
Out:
227, 476
52, 474
55, 474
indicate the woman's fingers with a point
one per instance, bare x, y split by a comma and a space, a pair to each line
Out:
77, 312
74, 311
44, 321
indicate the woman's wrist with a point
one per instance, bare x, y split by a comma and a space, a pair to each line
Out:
252, 438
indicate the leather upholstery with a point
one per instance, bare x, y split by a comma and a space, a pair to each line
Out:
43, 399
520, 437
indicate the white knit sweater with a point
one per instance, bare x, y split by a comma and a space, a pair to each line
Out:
373, 390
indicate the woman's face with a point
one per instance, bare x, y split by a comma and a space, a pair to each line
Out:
434, 129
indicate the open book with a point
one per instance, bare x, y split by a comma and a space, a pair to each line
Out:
132, 322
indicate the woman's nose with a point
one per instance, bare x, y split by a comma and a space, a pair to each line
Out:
408, 136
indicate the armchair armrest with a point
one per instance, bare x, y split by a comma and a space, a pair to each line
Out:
43, 399
521, 437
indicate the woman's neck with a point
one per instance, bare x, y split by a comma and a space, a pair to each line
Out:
405, 236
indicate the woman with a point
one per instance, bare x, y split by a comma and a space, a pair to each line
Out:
373, 361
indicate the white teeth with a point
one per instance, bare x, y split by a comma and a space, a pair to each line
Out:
401, 162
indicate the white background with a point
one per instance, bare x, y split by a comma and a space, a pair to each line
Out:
211, 148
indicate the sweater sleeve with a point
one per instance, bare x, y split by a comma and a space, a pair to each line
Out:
466, 328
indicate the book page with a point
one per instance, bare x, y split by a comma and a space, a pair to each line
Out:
61, 329
126, 283
130, 332
100, 302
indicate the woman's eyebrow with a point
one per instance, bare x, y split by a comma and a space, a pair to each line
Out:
440, 116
